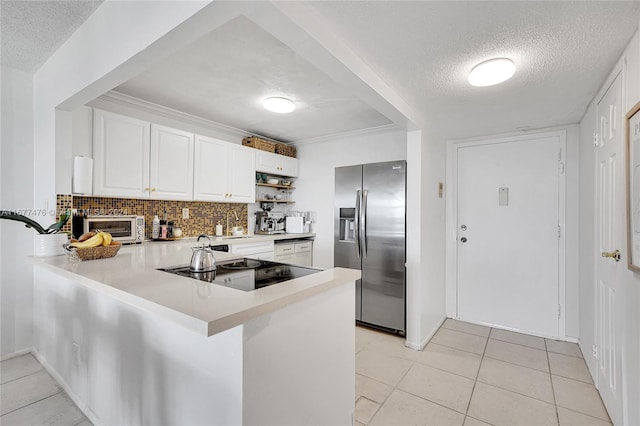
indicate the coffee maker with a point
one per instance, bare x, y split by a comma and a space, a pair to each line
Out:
268, 223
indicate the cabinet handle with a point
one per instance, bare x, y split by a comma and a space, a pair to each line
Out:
230, 195
146, 189
153, 190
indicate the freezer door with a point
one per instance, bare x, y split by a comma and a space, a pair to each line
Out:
383, 251
346, 245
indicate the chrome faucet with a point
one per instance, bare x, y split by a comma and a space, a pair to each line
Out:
237, 220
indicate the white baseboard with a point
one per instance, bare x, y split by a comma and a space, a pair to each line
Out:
420, 346
82, 406
16, 354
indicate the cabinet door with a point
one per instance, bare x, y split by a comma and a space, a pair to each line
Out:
171, 164
267, 162
288, 166
302, 259
242, 174
121, 155
211, 170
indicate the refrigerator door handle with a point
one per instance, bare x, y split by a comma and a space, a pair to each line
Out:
357, 224
363, 223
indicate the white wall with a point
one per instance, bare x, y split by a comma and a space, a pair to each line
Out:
629, 284
315, 186
16, 182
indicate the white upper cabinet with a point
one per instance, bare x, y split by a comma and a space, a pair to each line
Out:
267, 162
171, 164
223, 171
121, 155
134, 158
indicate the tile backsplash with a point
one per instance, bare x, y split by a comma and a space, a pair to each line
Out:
203, 216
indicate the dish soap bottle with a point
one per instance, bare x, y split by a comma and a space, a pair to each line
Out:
155, 234
219, 229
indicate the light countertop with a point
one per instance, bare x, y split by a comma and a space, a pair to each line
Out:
132, 277
244, 239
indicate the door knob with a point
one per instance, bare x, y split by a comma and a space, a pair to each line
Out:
615, 255
463, 239
463, 227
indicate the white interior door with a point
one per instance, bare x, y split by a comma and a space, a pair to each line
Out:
508, 204
610, 236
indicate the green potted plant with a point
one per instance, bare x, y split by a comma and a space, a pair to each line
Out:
48, 241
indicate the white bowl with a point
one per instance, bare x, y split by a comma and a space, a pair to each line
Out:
273, 181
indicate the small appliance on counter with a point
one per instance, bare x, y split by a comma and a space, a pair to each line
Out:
125, 229
298, 223
268, 223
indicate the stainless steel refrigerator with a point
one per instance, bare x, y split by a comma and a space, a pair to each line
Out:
370, 227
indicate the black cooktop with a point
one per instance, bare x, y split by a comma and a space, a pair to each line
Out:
245, 274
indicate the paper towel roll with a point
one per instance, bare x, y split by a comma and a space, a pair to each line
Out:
82, 175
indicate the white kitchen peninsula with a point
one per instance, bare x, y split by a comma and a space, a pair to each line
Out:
134, 345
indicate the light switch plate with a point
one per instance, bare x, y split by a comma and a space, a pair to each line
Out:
503, 196
185, 213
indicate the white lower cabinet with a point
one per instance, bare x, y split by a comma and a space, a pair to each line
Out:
223, 171
261, 250
296, 252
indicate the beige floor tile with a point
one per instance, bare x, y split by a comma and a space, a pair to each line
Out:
393, 346
478, 330
405, 409
527, 381
17, 367
578, 396
438, 386
566, 348
517, 354
364, 336
84, 423
459, 340
365, 410
372, 389
57, 410
27, 390
569, 366
518, 338
452, 360
501, 407
572, 418
383, 368
470, 421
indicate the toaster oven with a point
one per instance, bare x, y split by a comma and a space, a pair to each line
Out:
124, 229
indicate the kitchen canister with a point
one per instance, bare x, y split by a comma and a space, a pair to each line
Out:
49, 244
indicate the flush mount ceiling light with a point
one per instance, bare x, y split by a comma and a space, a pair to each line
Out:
279, 105
492, 72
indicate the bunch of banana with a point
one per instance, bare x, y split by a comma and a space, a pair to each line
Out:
92, 239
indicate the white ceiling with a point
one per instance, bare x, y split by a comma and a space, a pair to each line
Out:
32, 30
423, 50
225, 75
563, 51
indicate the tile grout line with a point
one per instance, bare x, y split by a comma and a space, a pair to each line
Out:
475, 382
34, 402
22, 377
553, 391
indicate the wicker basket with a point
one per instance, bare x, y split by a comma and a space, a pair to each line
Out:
93, 253
259, 143
288, 150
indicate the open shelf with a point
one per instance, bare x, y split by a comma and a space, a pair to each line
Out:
275, 201
268, 185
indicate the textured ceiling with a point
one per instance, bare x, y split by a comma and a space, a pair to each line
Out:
422, 49
225, 75
31, 31
563, 52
